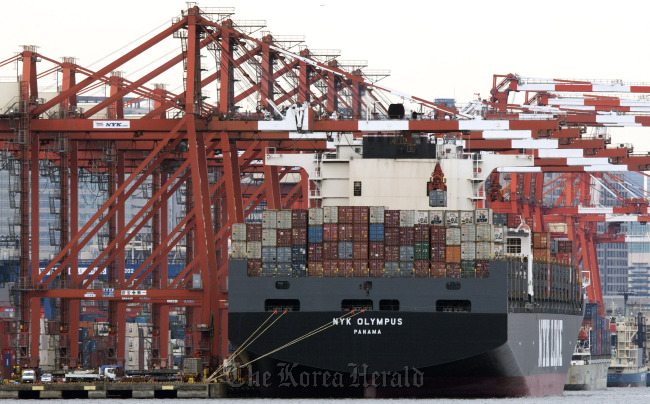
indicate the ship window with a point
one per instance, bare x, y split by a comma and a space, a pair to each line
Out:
356, 304
357, 188
282, 305
514, 246
389, 305
453, 305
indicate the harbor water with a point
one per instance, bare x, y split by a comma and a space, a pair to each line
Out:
612, 395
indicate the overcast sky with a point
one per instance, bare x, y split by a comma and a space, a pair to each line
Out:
434, 49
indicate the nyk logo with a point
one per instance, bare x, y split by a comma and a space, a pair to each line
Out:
111, 124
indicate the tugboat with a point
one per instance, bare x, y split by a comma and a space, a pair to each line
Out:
587, 371
628, 367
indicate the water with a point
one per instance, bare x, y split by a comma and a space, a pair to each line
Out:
613, 396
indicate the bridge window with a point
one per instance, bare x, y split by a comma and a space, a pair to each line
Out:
514, 246
357, 188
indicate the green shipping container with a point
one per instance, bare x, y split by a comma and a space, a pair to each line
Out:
421, 250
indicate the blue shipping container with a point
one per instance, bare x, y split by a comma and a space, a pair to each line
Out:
376, 232
299, 253
315, 234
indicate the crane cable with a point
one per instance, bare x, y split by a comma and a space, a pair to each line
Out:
246, 343
309, 334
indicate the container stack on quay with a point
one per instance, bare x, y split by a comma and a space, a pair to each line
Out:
599, 330
372, 241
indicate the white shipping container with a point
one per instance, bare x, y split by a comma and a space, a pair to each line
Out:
283, 218
406, 218
269, 237
466, 217
436, 216
330, 214
467, 232
452, 218
453, 236
484, 232
254, 250
468, 250
238, 232
377, 214
269, 219
484, 250
422, 217
500, 233
238, 250
316, 216
498, 250
483, 216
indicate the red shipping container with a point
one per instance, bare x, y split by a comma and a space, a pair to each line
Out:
391, 235
346, 232
299, 218
254, 267
514, 220
360, 267
330, 232
299, 236
391, 218
391, 253
438, 252
315, 269
376, 250
421, 268
360, 250
376, 268
330, 268
438, 269
482, 265
360, 232
406, 236
345, 268
346, 214
421, 233
315, 252
564, 246
253, 231
330, 250
361, 214
438, 234
284, 237
453, 270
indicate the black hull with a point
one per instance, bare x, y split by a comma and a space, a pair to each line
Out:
429, 355
490, 350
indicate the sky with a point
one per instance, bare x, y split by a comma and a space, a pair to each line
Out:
434, 49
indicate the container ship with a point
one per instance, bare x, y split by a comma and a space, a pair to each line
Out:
398, 286
628, 368
592, 355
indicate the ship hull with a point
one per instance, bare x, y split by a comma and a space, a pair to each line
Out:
590, 376
416, 351
627, 378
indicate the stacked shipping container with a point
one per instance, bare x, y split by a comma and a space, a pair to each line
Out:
346, 241
598, 329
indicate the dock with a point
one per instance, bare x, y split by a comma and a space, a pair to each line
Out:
112, 390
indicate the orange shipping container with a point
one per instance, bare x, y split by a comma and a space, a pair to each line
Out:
542, 254
452, 253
